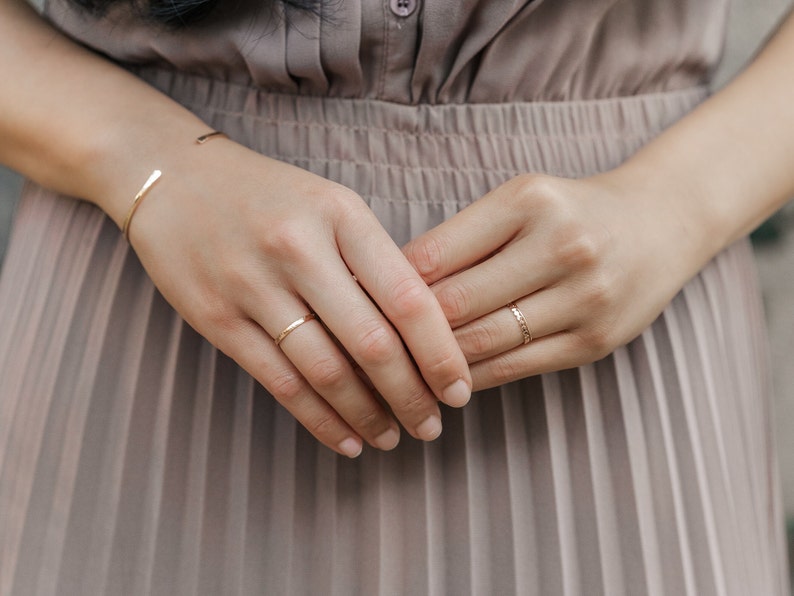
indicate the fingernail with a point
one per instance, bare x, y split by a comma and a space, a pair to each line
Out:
351, 447
387, 440
430, 428
457, 394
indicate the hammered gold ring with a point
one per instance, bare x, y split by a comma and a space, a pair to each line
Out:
522, 322
293, 326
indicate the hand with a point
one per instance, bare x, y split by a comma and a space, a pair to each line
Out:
242, 246
590, 263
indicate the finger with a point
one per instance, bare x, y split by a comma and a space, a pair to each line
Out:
466, 238
551, 353
316, 356
519, 269
500, 330
373, 343
411, 307
253, 349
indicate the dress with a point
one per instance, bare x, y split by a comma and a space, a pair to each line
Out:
136, 459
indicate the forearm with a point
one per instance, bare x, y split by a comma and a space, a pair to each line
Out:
730, 163
77, 123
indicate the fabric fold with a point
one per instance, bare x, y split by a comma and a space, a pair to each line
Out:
135, 458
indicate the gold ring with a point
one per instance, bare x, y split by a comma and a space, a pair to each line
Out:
522, 321
293, 326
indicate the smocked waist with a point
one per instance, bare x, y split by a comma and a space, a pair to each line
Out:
622, 119
436, 152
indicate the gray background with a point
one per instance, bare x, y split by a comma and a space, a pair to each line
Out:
10, 184
750, 23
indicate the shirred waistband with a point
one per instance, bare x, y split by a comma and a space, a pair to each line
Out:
430, 152
608, 116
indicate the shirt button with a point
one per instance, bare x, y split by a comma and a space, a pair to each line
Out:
403, 8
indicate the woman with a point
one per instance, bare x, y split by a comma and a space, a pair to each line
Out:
137, 458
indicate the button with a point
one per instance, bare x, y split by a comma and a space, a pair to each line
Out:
403, 8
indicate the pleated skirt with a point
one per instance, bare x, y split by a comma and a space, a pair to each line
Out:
135, 459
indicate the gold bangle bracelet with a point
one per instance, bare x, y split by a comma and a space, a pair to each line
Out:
215, 134
125, 227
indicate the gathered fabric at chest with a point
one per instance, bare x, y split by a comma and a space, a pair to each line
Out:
433, 51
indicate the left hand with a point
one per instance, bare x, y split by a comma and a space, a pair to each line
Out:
590, 263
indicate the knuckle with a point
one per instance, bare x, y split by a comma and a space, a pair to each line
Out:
444, 365
217, 315
322, 425
455, 302
425, 255
505, 368
601, 291
479, 338
536, 187
598, 343
285, 240
343, 198
235, 279
413, 400
368, 421
287, 387
342, 205
326, 373
579, 248
376, 346
409, 298
239, 281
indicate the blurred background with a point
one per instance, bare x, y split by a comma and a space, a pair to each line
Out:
751, 21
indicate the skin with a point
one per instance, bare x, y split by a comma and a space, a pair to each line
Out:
593, 262
239, 244
590, 262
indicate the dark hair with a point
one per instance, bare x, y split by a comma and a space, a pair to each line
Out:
180, 13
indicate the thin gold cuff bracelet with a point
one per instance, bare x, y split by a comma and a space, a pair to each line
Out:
125, 227
215, 134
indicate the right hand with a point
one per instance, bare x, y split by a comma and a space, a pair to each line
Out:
242, 246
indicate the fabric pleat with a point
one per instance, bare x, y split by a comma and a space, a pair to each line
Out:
135, 459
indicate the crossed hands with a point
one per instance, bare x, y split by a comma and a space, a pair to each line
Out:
245, 255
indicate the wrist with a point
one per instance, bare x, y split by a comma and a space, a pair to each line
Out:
125, 155
672, 209
77, 123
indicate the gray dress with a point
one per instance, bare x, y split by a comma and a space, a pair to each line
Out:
136, 459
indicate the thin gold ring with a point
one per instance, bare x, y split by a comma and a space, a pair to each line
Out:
526, 332
293, 326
